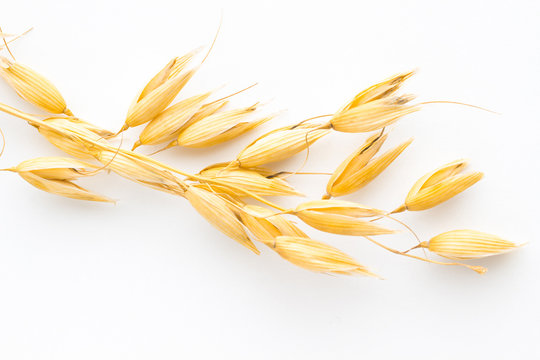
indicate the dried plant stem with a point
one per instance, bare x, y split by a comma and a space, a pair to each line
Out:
3, 142
478, 269
6, 44
13, 39
458, 103
298, 173
22, 115
313, 118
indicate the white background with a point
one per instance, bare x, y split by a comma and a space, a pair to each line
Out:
149, 279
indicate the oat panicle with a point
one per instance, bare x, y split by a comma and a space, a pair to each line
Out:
224, 193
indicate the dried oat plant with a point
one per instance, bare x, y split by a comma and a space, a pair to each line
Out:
224, 193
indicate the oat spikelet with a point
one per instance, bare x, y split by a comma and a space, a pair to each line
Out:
219, 213
33, 87
66, 144
168, 122
354, 162
317, 256
468, 244
62, 187
218, 128
373, 115
358, 159
248, 179
438, 186
340, 217
53, 175
354, 178
378, 91
55, 168
141, 172
279, 144
157, 95
171, 70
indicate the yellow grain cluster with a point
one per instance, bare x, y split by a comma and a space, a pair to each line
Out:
293, 245
218, 191
438, 186
33, 87
54, 175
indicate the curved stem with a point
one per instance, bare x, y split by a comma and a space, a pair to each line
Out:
278, 174
233, 94
17, 113
3, 142
458, 103
312, 118
6, 44
478, 269
404, 225
15, 38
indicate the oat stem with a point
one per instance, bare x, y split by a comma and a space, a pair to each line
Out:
478, 269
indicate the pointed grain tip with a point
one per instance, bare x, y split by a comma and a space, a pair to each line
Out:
124, 128
479, 269
378, 277
400, 209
